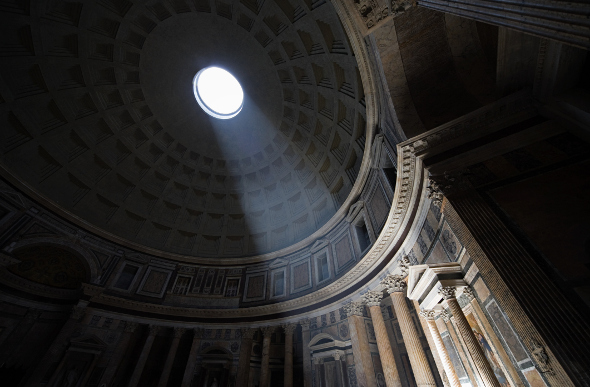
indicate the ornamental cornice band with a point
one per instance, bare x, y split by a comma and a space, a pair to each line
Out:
372, 298
394, 283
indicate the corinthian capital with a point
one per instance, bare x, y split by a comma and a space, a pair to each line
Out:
130, 326
372, 298
77, 312
468, 293
428, 314
247, 333
178, 332
354, 308
448, 292
154, 329
268, 330
394, 283
305, 323
404, 265
289, 328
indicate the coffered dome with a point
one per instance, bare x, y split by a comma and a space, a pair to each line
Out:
99, 117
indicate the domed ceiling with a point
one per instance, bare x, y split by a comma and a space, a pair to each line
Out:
98, 115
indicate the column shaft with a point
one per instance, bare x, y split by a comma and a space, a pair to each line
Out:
189, 371
58, 347
387, 361
481, 363
178, 332
245, 354
288, 371
145, 351
365, 373
307, 373
416, 354
442, 351
264, 370
117, 356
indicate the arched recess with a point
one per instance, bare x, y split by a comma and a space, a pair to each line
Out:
51, 262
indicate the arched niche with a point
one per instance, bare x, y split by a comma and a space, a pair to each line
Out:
51, 265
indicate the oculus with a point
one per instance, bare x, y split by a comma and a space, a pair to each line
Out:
218, 92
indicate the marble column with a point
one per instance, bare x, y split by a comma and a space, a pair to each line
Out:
475, 351
373, 301
288, 371
365, 372
429, 316
13, 342
145, 352
191, 363
396, 286
178, 332
267, 332
340, 357
119, 352
58, 347
305, 335
244, 359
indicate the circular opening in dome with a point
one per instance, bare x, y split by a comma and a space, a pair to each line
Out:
218, 92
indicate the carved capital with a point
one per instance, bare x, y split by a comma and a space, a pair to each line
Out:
428, 314
468, 293
77, 312
434, 192
305, 324
289, 328
445, 316
248, 333
394, 283
372, 298
404, 265
448, 292
178, 332
130, 326
354, 308
541, 357
198, 333
268, 330
338, 355
154, 329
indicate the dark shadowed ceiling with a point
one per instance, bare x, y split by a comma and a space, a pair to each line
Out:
97, 115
